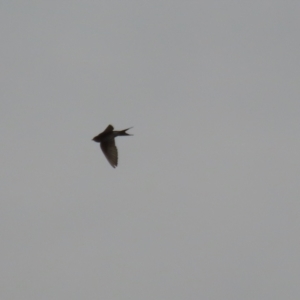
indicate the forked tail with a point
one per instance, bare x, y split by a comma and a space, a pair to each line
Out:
123, 132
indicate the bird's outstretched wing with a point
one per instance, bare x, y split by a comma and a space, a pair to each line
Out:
110, 151
109, 128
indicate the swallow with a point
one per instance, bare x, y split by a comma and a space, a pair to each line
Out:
107, 143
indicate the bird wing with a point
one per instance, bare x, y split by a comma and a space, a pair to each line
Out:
110, 151
109, 128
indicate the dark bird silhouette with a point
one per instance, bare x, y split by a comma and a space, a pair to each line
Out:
107, 143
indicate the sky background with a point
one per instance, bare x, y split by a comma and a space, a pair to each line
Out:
205, 201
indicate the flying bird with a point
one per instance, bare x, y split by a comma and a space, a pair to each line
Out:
107, 143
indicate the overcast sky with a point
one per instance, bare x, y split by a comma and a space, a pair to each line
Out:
205, 201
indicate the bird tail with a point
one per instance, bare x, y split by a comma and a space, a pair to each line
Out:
123, 132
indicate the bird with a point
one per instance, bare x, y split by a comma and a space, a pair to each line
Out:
107, 143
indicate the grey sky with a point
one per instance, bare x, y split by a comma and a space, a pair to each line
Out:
205, 201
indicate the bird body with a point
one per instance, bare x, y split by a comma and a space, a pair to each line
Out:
107, 143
